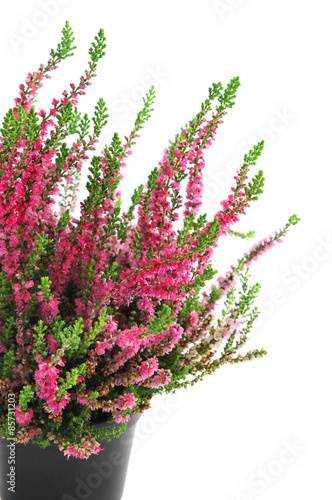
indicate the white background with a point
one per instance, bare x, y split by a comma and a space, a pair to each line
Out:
231, 436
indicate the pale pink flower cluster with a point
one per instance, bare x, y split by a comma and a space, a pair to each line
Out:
83, 450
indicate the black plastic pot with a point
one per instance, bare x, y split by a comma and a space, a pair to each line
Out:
46, 474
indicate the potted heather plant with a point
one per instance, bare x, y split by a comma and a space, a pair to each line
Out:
100, 312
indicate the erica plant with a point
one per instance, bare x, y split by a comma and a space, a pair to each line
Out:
101, 312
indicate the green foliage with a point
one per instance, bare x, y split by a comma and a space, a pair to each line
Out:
26, 396
9, 362
6, 310
94, 179
73, 125
123, 223
207, 239
229, 301
250, 158
151, 184
215, 294
83, 126
68, 119
68, 337
160, 321
179, 371
247, 295
112, 272
31, 126
25, 125
9, 131
64, 219
67, 124
100, 117
39, 340
89, 336
243, 236
255, 187
45, 287
89, 272
227, 100
71, 380
199, 280
135, 199
66, 46
63, 152
97, 49
144, 114
191, 228
9, 328
44, 247
98, 185
292, 221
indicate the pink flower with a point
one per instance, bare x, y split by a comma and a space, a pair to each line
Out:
159, 380
85, 450
147, 368
46, 377
193, 318
23, 418
34, 432
102, 346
